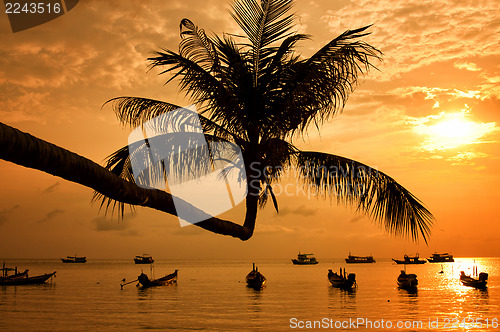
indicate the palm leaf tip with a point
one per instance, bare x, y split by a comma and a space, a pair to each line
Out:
370, 191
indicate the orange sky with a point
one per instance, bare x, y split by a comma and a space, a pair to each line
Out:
429, 118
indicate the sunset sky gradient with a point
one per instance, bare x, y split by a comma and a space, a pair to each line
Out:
428, 117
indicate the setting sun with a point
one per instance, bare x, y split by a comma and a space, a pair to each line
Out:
451, 130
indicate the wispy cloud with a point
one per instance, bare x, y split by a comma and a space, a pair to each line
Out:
50, 215
51, 188
416, 34
273, 229
302, 210
467, 65
357, 218
122, 226
6, 213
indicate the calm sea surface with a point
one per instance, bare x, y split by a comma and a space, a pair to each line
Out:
212, 296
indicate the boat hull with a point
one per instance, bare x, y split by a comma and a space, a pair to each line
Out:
359, 260
143, 261
440, 260
164, 281
480, 283
409, 262
297, 262
15, 276
27, 280
341, 282
407, 281
70, 259
255, 281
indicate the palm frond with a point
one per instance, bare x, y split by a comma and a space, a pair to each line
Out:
264, 24
202, 86
185, 160
317, 88
134, 111
118, 163
370, 190
285, 49
196, 46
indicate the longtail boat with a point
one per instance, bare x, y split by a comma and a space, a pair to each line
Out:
479, 283
255, 279
5, 273
26, 280
407, 281
166, 280
340, 280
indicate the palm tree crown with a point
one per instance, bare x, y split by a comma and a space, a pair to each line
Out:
258, 93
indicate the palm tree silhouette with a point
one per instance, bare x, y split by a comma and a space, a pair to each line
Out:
254, 91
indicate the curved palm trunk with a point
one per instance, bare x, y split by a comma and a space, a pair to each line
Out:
28, 151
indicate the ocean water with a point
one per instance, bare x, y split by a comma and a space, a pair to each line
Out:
212, 296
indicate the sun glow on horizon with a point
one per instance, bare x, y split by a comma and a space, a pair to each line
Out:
451, 130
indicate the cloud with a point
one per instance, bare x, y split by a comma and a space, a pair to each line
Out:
190, 230
5, 213
466, 158
416, 34
357, 218
299, 211
51, 188
467, 66
103, 223
273, 229
50, 216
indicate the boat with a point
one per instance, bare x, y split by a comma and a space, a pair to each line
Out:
25, 280
340, 280
410, 260
255, 279
144, 259
166, 280
479, 283
5, 273
74, 259
304, 259
407, 281
359, 259
441, 258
